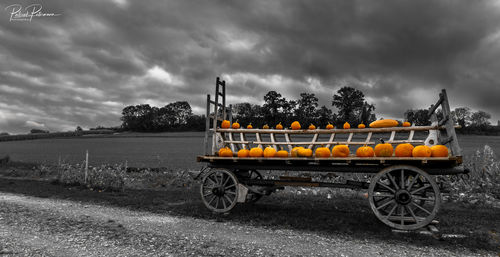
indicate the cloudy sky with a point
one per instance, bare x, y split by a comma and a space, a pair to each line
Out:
83, 66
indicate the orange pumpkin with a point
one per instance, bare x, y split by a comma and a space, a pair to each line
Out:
365, 151
386, 123
282, 153
404, 150
225, 152
295, 151
225, 124
340, 151
279, 126
243, 153
347, 125
256, 152
265, 126
439, 151
406, 124
269, 152
361, 126
383, 149
322, 152
236, 125
329, 126
295, 125
249, 126
305, 152
422, 151
312, 127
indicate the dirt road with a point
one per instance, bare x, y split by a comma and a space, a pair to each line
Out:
51, 226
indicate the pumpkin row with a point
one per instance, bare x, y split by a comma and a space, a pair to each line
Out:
296, 125
381, 150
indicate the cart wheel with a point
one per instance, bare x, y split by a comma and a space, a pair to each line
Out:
253, 197
219, 190
404, 197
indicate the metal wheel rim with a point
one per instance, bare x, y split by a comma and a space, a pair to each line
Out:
386, 203
221, 200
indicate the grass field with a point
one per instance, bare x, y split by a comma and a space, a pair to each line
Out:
172, 150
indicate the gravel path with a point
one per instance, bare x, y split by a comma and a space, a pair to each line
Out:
33, 226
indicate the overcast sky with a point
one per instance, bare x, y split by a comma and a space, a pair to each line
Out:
83, 66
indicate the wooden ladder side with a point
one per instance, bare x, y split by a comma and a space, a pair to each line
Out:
450, 126
207, 126
218, 84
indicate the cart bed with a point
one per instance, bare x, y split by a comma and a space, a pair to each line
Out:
434, 165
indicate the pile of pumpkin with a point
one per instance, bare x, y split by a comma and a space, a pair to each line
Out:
296, 125
381, 150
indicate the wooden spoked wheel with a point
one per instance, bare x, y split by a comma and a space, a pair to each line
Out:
404, 197
219, 190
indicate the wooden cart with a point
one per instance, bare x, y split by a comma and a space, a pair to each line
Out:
402, 192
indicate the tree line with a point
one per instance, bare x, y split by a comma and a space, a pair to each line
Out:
470, 122
349, 102
178, 116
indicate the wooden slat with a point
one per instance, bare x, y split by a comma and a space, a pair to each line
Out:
288, 141
330, 131
350, 158
435, 106
273, 140
368, 137
231, 145
313, 142
450, 126
207, 126
410, 137
259, 140
349, 138
393, 134
215, 117
243, 139
405, 141
328, 144
331, 140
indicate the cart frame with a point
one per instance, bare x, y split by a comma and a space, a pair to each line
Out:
402, 192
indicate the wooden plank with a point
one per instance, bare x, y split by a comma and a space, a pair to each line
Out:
406, 141
349, 138
450, 126
331, 140
207, 126
288, 141
216, 114
393, 134
244, 139
410, 137
301, 143
350, 158
259, 140
273, 140
313, 142
330, 131
231, 139
368, 137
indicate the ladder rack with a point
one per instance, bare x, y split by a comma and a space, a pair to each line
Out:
238, 139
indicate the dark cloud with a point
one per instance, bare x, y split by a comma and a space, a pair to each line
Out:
83, 67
